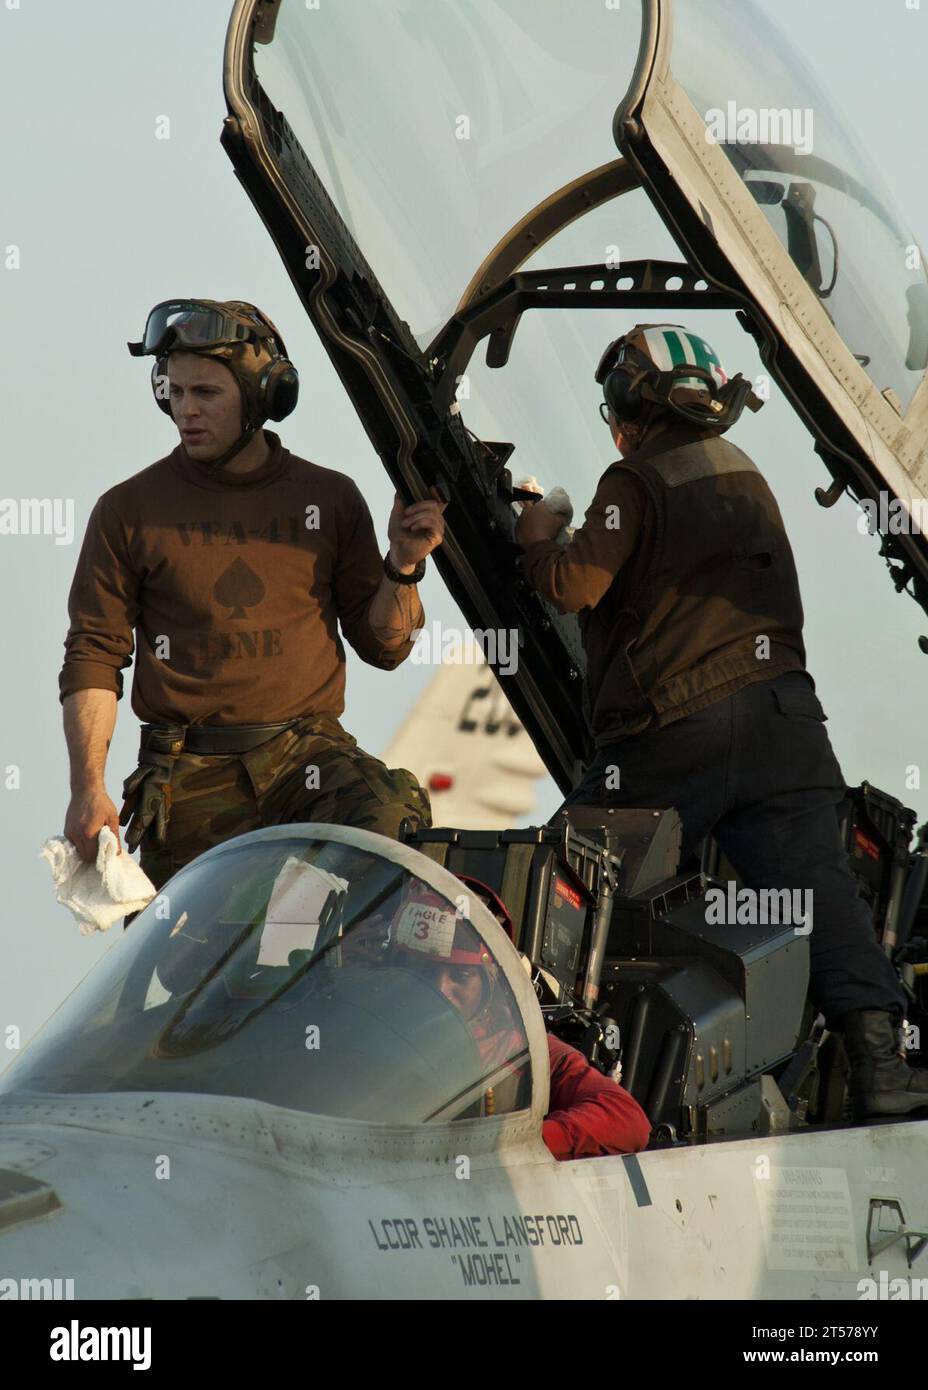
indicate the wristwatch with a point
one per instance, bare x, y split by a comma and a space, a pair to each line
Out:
398, 577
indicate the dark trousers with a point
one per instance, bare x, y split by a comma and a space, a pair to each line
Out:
757, 770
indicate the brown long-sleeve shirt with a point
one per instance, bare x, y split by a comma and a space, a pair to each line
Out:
578, 575
234, 586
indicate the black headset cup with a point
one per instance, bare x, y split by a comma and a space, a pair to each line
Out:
628, 386
279, 390
622, 394
278, 387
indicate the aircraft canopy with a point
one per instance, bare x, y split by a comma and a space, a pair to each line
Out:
308, 967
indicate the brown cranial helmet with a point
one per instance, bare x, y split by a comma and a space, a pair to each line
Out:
237, 334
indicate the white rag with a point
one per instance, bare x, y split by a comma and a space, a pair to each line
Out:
556, 501
102, 893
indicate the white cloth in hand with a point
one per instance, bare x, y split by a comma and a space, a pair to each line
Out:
102, 893
558, 502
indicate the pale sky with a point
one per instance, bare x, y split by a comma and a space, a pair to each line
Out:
109, 220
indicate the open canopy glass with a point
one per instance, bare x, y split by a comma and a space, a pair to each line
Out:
444, 183
434, 127
805, 169
293, 967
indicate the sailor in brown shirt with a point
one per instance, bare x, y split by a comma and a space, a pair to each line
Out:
697, 692
233, 563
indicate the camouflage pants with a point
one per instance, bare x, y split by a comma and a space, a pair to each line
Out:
314, 771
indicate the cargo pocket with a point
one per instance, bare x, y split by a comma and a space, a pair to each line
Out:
395, 794
386, 784
799, 701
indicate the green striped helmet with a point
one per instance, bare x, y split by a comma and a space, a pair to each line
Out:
668, 345
644, 372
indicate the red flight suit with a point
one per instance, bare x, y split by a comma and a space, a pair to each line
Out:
589, 1114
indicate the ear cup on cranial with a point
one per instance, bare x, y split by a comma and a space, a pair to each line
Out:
159, 379
623, 399
279, 389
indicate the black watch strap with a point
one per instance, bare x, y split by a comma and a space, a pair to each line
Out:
398, 577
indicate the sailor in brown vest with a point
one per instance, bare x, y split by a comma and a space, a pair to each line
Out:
697, 691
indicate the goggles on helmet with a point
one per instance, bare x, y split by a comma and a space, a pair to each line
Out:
198, 325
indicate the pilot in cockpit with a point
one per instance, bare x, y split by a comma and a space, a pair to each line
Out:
370, 956
589, 1114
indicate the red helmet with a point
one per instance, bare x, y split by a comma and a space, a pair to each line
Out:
427, 924
491, 899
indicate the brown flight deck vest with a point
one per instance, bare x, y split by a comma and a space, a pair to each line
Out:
712, 573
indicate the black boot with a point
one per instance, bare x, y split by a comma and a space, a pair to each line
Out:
882, 1085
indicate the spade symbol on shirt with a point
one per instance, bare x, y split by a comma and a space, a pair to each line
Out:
238, 588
